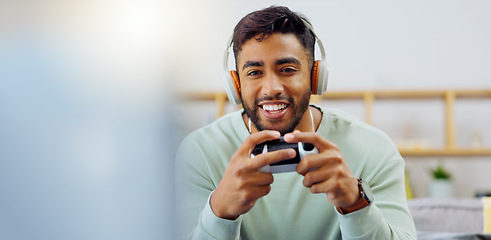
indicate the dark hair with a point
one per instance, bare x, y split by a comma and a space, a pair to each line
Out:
271, 20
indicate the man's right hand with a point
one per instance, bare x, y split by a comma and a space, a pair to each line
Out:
242, 183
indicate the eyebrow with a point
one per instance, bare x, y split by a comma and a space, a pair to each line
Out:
287, 60
253, 64
278, 62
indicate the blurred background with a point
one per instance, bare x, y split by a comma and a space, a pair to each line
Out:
91, 109
85, 135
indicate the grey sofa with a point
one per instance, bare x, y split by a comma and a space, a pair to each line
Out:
452, 218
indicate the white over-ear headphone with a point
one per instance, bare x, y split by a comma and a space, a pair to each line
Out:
318, 81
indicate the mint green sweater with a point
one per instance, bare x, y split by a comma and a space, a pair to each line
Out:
290, 210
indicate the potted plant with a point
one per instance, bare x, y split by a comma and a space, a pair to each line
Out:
440, 173
441, 185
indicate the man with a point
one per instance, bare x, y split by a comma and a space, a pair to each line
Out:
222, 194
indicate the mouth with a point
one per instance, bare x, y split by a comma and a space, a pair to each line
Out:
274, 110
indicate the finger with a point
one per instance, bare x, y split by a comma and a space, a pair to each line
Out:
310, 137
262, 179
319, 175
313, 177
256, 138
318, 183
324, 159
253, 193
263, 190
321, 187
264, 159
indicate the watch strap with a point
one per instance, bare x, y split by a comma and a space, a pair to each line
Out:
363, 201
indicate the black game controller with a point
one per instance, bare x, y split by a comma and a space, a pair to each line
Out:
288, 165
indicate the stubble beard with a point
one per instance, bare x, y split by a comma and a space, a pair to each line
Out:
299, 109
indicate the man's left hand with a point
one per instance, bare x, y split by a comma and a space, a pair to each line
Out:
327, 171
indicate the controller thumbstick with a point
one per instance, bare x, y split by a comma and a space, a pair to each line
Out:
308, 146
257, 150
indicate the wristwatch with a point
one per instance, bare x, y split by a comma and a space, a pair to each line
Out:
366, 198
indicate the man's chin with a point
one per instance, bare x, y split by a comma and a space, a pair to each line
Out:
280, 127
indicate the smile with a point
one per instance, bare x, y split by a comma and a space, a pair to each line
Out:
274, 107
274, 110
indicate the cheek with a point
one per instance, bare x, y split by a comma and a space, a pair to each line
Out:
301, 85
247, 95
249, 90
304, 78
244, 91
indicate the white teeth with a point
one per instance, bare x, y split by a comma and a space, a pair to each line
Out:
274, 107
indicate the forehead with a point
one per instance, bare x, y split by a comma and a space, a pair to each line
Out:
276, 46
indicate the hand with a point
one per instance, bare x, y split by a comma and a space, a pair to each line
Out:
326, 172
242, 183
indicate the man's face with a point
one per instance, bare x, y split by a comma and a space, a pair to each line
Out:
275, 81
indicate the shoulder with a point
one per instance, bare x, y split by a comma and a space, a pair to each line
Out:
219, 139
362, 145
225, 127
339, 122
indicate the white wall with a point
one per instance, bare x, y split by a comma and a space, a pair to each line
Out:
377, 44
370, 44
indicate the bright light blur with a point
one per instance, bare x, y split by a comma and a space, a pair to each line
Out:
86, 141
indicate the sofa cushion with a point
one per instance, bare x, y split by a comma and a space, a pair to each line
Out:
447, 215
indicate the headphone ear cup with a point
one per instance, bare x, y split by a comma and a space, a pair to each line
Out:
319, 77
232, 87
314, 77
236, 81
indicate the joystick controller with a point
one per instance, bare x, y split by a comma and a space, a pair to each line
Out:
288, 165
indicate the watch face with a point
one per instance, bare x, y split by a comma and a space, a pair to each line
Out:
367, 191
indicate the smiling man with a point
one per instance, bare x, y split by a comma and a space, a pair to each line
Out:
275, 82
351, 187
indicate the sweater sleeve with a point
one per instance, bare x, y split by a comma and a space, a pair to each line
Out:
212, 227
388, 216
194, 187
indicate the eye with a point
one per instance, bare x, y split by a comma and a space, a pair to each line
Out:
254, 73
288, 70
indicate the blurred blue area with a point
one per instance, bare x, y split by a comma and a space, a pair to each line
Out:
85, 149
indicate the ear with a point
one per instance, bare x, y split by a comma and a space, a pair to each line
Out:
235, 79
315, 77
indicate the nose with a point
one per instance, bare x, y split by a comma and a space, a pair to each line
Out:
272, 85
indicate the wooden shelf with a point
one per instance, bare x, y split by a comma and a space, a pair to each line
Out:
370, 97
455, 152
406, 94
